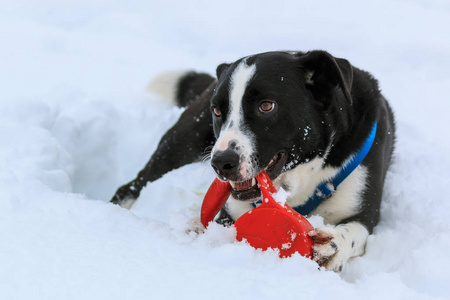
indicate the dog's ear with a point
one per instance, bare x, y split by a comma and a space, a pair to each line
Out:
221, 68
324, 72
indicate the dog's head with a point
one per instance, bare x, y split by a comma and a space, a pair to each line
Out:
270, 112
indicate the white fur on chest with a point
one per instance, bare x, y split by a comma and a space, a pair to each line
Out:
346, 201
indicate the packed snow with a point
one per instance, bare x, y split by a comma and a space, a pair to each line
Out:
76, 123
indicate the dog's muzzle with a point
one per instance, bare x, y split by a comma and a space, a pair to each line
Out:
226, 165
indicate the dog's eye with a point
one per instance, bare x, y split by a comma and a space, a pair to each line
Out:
216, 111
266, 106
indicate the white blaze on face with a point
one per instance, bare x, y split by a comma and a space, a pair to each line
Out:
233, 131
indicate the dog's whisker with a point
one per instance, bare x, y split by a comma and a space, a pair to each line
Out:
206, 157
207, 154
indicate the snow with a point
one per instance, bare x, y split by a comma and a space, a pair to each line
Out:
281, 196
76, 122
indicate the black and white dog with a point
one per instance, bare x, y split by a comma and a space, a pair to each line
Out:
305, 118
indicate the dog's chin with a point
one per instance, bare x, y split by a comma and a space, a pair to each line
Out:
248, 190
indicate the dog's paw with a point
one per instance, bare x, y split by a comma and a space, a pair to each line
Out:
196, 225
329, 249
127, 203
125, 196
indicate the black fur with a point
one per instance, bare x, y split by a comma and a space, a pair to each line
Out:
184, 143
191, 86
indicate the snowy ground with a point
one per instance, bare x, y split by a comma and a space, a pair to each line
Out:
75, 123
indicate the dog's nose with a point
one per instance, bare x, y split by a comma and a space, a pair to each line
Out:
226, 164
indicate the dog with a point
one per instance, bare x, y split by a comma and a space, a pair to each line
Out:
317, 125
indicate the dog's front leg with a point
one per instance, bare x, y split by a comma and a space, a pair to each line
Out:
333, 247
184, 143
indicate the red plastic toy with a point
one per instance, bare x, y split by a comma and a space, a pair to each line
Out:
268, 226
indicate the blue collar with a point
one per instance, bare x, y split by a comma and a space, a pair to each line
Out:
327, 188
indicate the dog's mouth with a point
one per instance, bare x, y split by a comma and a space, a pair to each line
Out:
248, 190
